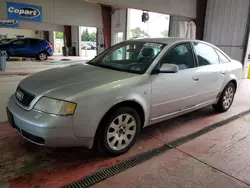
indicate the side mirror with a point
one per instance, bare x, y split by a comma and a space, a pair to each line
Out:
168, 68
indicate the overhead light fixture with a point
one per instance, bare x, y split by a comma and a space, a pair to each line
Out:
145, 16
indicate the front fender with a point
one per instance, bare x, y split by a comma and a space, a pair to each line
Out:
93, 104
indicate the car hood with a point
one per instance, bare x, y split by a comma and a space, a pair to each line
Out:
64, 82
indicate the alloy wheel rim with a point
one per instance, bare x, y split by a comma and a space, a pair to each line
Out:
228, 97
42, 56
121, 132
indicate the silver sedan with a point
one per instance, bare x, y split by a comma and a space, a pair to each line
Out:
106, 102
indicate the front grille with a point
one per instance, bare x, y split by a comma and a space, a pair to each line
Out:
24, 97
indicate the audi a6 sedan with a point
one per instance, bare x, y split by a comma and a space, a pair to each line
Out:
106, 102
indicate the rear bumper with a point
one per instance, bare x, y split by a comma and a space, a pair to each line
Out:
50, 53
44, 129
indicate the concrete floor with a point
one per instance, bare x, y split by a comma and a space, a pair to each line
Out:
25, 67
216, 159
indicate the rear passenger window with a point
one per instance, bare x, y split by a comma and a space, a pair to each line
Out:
222, 57
206, 54
34, 41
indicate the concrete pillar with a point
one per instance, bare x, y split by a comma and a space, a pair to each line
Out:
106, 19
46, 36
201, 6
67, 35
76, 38
52, 39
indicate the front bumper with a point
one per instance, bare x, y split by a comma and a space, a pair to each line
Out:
44, 129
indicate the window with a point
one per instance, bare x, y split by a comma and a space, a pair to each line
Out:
34, 41
181, 55
206, 54
135, 56
222, 57
20, 42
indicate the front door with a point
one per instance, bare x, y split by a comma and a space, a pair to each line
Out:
19, 48
173, 92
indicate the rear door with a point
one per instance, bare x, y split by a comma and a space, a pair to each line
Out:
210, 72
35, 47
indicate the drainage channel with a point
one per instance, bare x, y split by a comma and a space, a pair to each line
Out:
142, 157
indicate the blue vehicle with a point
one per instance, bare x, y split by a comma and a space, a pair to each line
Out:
28, 47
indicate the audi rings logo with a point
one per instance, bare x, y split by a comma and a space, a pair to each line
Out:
25, 12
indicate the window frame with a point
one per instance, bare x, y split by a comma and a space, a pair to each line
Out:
174, 46
218, 51
25, 40
207, 45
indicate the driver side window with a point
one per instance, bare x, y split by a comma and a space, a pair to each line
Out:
20, 42
180, 55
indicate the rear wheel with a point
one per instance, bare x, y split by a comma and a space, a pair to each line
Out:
226, 98
119, 131
42, 56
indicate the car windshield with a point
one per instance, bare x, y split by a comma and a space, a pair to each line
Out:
131, 56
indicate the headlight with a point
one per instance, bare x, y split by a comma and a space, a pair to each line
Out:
53, 106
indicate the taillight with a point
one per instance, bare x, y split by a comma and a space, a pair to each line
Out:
49, 46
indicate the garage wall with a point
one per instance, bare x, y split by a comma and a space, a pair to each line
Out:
185, 8
40, 26
225, 25
64, 12
12, 33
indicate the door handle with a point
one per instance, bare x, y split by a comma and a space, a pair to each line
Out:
195, 78
223, 72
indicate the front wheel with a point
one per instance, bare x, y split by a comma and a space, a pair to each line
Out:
42, 56
119, 131
226, 98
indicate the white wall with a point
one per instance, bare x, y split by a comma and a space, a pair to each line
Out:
40, 26
185, 8
11, 33
63, 12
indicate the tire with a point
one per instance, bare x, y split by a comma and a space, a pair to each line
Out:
115, 135
226, 98
42, 56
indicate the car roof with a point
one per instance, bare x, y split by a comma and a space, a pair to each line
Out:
168, 40
33, 38
172, 40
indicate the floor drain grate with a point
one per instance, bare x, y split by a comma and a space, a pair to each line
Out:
140, 158
117, 168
